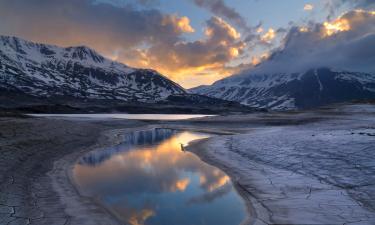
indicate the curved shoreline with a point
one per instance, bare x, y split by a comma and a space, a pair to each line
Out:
35, 187
118, 135
198, 148
65, 167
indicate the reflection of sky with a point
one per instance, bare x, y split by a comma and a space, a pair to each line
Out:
162, 185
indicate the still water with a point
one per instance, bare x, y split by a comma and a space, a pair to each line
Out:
150, 179
126, 116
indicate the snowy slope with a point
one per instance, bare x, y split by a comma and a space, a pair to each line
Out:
290, 91
75, 72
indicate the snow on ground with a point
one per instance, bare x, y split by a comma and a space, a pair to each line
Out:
319, 173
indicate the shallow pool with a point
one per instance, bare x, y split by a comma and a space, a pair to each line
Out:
150, 179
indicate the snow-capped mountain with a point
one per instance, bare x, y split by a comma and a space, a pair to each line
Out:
313, 88
47, 71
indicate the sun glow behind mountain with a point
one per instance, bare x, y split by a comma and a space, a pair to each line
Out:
191, 42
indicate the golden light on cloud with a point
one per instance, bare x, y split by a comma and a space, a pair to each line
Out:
234, 52
255, 60
339, 25
364, 11
268, 36
184, 24
303, 29
181, 24
232, 32
308, 7
193, 63
259, 30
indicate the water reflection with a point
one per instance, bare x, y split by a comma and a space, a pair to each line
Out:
150, 180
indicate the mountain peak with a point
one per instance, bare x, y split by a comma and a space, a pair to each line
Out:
85, 53
280, 91
47, 71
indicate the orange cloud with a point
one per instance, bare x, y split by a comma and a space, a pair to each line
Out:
181, 24
193, 63
339, 25
269, 36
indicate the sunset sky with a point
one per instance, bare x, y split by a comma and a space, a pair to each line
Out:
193, 42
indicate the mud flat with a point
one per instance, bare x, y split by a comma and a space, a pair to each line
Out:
297, 168
31, 181
322, 172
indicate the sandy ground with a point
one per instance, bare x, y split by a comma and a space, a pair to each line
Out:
292, 168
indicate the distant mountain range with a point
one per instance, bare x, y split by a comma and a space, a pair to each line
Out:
280, 91
76, 72
45, 78
40, 76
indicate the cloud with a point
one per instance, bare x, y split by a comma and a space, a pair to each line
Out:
346, 43
139, 37
308, 7
364, 4
268, 36
333, 5
102, 26
219, 8
221, 44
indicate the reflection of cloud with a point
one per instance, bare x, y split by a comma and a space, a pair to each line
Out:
181, 185
150, 169
139, 218
128, 181
133, 216
211, 196
213, 180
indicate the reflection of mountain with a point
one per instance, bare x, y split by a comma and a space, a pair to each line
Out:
149, 181
139, 138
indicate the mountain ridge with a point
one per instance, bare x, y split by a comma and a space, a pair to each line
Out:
284, 91
56, 72
39, 78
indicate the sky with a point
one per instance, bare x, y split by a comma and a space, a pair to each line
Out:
196, 42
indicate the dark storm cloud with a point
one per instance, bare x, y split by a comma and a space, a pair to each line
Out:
220, 8
346, 43
72, 22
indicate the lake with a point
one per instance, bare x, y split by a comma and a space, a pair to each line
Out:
150, 179
126, 116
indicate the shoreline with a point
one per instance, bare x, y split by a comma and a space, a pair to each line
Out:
199, 149
275, 190
118, 135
